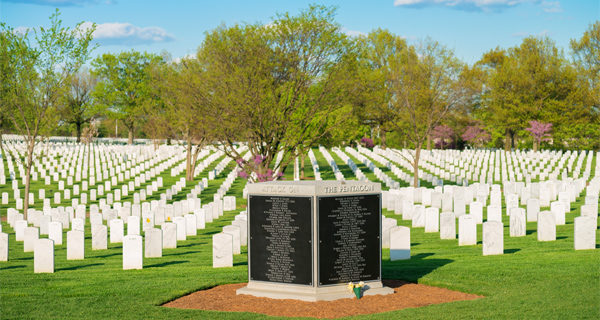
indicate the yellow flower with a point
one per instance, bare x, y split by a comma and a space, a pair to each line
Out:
361, 284
148, 220
350, 286
168, 218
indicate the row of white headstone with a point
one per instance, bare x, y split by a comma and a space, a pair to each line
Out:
229, 241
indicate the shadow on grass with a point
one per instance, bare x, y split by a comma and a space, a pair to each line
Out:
561, 238
80, 267
244, 263
106, 255
528, 232
181, 253
12, 267
511, 251
412, 270
191, 245
164, 264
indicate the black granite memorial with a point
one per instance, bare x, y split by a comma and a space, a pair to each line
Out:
308, 239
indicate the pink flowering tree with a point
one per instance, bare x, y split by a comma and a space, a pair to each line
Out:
254, 171
476, 136
442, 136
540, 131
367, 143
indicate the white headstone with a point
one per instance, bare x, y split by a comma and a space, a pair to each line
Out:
518, 225
467, 231
585, 233
31, 234
3, 246
418, 216
447, 225
190, 225
200, 218
243, 231
181, 228
400, 243
132, 252
493, 238
169, 235
494, 213
432, 220
75, 245
222, 250
153, 243
99, 237
133, 225
558, 208
386, 225
116, 230
55, 232
43, 256
20, 226
476, 211
533, 209
546, 227
235, 232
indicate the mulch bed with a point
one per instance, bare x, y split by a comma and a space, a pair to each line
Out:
406, 295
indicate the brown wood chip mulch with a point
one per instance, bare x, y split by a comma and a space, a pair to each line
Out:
406, 295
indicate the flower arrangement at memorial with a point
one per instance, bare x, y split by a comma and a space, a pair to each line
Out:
356, 288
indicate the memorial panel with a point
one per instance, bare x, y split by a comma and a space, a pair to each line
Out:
349, 234
280, 239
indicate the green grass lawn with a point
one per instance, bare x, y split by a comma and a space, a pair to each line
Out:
540, 280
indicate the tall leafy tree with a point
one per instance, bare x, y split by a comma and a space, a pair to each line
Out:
276, 86
124, 86
532, 81
35, 77
374, 79
77, 107
188, 106
428, 82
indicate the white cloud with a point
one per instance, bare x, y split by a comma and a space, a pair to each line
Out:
353, 33
186, 57
464, 5
551, 6
126, 33
21, 30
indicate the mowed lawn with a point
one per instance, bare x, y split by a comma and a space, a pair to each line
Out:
540, 280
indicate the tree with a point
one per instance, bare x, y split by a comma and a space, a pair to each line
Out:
586, 53
36, 77
427, 82
530, 81
124, 87
376, 51
77, 108
442, 136
277, 86
188, 106
540, 131
476, 136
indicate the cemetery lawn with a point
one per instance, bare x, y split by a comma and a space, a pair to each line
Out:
547, 280
531, 280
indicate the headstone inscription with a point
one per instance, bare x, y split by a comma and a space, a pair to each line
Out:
308, 239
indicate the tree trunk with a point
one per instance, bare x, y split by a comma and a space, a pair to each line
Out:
188, 160
130, 140
507, 141
416, 165
194, 160
302, 166
28, 176
383, 142
78, 126
429, 142
535, 145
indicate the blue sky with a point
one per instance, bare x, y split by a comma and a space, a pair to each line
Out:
469, 27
